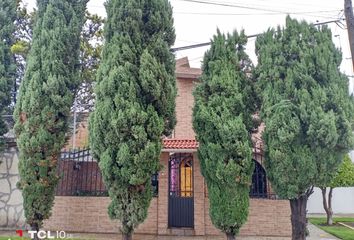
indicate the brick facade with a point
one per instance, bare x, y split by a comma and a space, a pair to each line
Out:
184, 108
266, 218
89, 214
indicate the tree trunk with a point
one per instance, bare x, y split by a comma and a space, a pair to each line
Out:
298, 217
327, 205
127, 236
35, 227
230, 236
330, 211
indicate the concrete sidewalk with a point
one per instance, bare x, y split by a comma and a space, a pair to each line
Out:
318, 234
315, 234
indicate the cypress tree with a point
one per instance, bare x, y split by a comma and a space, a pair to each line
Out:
222, 120
307, 111
44, 102
7, 65
134, 106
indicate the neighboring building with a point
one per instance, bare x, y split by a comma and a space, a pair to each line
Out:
342, 201
181, 205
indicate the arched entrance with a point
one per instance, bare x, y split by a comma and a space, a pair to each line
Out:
259, 182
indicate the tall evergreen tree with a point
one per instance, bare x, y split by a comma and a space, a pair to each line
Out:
307, 111
90, 51
222, 120
135, 103
44, 102
7, 65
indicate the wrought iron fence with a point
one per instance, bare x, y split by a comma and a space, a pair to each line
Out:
80, 175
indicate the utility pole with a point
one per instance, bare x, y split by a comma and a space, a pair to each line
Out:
348, 11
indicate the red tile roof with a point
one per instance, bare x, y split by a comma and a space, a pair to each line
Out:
180, 144
191, 144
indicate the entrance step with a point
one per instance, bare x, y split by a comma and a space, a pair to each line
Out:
181, 231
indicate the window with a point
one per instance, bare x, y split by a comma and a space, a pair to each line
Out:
155, 184
259, 182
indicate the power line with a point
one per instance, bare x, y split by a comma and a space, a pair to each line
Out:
235, 6
176, 49
288, 2
261, 8
250, 14
269, 11
251, 7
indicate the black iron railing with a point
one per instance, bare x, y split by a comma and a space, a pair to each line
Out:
80, 175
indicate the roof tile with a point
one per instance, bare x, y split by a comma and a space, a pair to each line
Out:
180, 144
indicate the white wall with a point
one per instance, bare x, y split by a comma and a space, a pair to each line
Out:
342, 201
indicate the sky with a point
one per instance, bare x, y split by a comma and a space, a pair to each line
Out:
196, 22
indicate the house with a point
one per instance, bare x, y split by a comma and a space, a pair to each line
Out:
181, 205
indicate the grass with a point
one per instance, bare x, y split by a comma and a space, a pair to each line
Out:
339, 231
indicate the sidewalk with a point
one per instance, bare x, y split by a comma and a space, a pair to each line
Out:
319, 234
315, 234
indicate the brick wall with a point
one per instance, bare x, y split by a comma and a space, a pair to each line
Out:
184, 113
199, 198
82, 133
89, 214
162, 200
184, 109
266, 218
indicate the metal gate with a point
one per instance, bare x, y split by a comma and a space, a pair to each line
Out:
181, 201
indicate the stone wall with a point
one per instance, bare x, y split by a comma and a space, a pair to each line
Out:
11, 210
